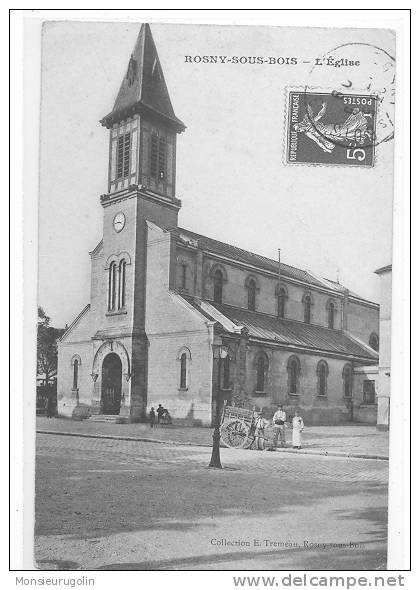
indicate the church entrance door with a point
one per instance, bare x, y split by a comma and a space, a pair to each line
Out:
111, 384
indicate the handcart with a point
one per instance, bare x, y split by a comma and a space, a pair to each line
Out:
238, 427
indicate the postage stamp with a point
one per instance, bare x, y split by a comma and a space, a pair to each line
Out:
331, 128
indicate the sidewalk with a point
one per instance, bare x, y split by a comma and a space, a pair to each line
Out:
346, 440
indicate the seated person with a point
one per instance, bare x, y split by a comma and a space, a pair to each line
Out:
166, 417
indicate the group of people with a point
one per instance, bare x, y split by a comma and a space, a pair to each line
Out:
160, 416
279, 424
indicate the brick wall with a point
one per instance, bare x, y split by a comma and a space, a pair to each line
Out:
362, 319
329, 409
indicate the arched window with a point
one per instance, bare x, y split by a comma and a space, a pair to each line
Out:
252, 289
112, 286
226, 373
218, 286
260, 374
331, 314
281, 302
76, 363
322, 372
183, 371
75, 373
347, 380
260, 366
307, 309
184, 359
121, 284
293, 371
374, 341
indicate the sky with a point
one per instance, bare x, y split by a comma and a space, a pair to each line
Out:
231, 173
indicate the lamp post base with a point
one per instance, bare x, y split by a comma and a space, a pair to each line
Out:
215, 454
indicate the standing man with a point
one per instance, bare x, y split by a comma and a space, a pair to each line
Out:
259, 431
279, 419
152, 417
160, 411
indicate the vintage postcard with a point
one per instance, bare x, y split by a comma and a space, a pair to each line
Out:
214, 297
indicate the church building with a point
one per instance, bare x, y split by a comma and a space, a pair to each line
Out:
187, 321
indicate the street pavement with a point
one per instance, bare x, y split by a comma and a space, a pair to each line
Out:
354, 440
118, 504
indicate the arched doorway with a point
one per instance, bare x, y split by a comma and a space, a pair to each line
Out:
111, 384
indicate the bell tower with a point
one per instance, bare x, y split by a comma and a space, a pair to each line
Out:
141, 187
143, 125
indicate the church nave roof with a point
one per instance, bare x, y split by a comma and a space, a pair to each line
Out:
261, 262
262, 326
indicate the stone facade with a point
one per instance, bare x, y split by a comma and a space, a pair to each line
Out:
156, 316
174, 328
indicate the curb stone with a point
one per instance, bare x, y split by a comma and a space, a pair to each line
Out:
335, 454
190, 444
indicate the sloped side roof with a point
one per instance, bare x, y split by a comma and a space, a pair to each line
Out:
97, 249
74, 322
247, 257
293, 333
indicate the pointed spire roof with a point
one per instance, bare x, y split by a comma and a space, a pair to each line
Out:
143, 88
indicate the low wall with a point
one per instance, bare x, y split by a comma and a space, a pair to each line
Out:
365, 414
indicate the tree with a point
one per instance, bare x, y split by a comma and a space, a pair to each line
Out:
47, 337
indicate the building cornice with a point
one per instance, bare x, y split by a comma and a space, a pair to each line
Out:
312, 351
141, 192
141, 108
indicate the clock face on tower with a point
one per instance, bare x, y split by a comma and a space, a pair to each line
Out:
119, 222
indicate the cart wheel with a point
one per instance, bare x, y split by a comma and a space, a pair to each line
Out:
235, 434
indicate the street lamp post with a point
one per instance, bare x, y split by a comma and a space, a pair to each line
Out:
219, 353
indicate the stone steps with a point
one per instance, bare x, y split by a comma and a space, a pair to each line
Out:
109, 418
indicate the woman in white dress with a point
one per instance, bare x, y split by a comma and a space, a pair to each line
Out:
297, 427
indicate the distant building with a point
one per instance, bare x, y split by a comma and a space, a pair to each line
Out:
164, 299
384, 389
41, 379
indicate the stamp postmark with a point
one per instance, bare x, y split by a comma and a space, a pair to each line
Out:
345, 110
331, 128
